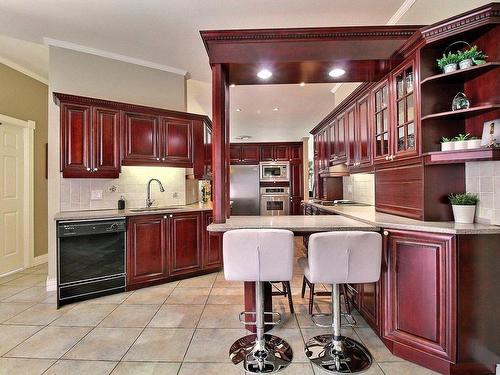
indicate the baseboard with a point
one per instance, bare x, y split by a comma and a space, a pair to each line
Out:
51, 284
41, 259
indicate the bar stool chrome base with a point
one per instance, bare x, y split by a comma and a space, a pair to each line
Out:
347, 357
276, 356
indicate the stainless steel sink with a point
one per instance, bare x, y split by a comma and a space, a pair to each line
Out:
146, 209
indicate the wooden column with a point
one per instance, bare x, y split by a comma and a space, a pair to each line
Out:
220, 143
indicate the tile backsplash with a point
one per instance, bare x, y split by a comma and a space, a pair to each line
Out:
359, 187
84, 194
483, 179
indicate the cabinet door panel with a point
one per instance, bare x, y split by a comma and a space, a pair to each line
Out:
106, 141
296, 180
235, 154
185, 243
266, 153
421, 292
363, 154
177, 140
146, 249
340, 138
296, 154
250, 154
212, 249
281, 153
141, 137
369, 303
351, 139
75, 140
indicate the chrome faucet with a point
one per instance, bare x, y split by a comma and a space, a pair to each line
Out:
149, 201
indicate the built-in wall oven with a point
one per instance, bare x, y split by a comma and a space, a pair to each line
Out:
274, 171
90, 259
274, 201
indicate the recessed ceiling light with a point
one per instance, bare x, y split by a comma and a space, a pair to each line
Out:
238, 109
232, 85
276, 109
337, 72
264, 74
302, 84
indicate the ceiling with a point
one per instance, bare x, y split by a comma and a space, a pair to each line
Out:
167, 33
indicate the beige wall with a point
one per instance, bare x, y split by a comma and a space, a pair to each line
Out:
89, 75
25, 98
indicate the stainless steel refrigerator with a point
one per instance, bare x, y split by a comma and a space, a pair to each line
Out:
244, 189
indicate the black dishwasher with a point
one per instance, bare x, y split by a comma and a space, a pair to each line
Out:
90, 259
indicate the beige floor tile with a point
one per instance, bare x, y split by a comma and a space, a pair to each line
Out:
225, 296
212, 345
13, 276
288, 320
28, 280
177, 316
188, 296
149, 368
155, 295
294, 338
23, 366
7, 291
104, 344
160, 344
40, 314
10, 309
221, 316
49, 342
84, 315
71, 367
11, 336
30, 294
404, 368
209, 369
379, 351
130, 316
111, 299
200, 281
298, 369
221, 282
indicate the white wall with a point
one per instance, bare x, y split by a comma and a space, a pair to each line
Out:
89, 75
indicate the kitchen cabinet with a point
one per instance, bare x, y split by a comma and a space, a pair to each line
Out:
185, 242
212, 245
147, 249
296, 153
207, 145
90, 138
362, 133
274, 153
381, 118
176, 140
296, 187
350, 124
421, 292
244, 153
142, 139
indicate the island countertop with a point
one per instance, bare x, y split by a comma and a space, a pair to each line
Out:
295, 223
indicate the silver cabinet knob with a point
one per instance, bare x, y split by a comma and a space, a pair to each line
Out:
387, 157
88, 169
170, 215
158, 159
163, 159
95, 169
386, 233
165, 216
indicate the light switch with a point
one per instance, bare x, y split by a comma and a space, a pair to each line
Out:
96, 195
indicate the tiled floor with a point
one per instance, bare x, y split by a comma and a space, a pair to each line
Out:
180, 328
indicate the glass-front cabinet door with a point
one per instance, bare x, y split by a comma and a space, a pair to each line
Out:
381, 129
404, 101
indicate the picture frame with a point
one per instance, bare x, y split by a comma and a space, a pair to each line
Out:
491, 134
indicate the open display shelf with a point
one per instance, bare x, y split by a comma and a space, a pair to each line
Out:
463, 113
461, 156
462, 75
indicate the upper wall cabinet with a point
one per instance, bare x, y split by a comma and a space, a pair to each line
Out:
90, 139
98, 136
381, 118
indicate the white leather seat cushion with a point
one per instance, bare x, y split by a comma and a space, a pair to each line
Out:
344, 257
258, 255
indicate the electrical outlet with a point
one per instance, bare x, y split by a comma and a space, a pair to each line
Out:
175, 195
96, 195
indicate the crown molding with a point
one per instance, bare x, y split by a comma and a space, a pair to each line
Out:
21, 69
112, 55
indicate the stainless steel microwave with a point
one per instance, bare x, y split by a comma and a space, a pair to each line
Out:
273, 171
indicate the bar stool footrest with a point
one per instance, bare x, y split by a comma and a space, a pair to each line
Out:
244, 314
351, 321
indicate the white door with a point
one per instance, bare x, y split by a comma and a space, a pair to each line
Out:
12, 193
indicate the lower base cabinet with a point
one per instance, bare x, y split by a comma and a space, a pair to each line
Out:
171, 246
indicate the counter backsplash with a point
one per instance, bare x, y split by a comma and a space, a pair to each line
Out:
360, 188
76, 194
483, 179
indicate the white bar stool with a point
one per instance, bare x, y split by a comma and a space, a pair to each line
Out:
259, 255
340, 258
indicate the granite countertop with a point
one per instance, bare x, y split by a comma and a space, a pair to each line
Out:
296, 223
104, 214
368, 215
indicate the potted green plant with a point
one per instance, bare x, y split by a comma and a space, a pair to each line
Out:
471, 56
473, 142
464, 207
448, 63
460, 141
447, 144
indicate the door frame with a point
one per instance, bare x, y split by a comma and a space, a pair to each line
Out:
28, 199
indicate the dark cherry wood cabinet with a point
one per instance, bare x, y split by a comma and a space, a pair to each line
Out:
176, 140
381, 118
296, 153
90, 142
296, 187
362, 133
274, 153
147, 249
142, 139
267, 153
171, 246
350, 124
244, 153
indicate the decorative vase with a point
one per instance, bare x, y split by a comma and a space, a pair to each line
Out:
464, 64
450, 68
447, 146
464, 213
460, 145
460, 101
473, 143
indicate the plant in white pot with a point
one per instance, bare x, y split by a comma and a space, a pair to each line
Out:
464, 207
471, 57
473, 142
447, 144
460, 141
449, 62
